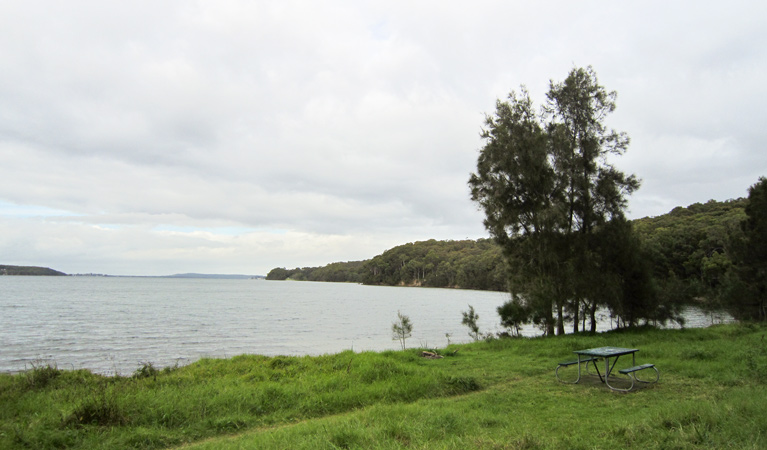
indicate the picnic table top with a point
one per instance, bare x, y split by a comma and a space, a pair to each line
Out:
606, 352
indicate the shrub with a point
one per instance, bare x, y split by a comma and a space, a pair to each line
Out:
146, 370
40, 376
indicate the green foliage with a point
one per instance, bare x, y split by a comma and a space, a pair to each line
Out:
465, 264
146, 370
280, 273
338, 272
401, 329
626, 278
470, 319
515, 185
751, 258
683, 241
513, 315
42, 375
546, 189
693, 253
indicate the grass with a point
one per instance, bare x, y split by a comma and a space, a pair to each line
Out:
497, 394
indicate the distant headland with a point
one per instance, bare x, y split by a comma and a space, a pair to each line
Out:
45, 271
29, 270
218, 276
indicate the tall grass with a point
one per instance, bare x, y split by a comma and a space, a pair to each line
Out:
154, 408
491, 394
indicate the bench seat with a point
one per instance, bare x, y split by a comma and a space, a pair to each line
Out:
575, 361
629, 372
636, 368
585, 360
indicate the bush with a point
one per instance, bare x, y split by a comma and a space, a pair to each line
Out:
40, 376
146, 370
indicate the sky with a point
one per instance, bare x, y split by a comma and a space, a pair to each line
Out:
236, 136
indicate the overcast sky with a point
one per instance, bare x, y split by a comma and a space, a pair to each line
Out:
160, 137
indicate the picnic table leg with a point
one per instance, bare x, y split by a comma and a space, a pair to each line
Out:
614, 363
590, 360
620, 389
599, 374
631, 376
556, 372
657, 376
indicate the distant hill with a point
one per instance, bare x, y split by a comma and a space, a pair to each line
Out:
29, 270
207, 275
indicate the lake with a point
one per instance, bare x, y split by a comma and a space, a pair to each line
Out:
113, 325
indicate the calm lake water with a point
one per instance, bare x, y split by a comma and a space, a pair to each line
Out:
112, 325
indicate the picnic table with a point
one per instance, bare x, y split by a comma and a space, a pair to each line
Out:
592, 355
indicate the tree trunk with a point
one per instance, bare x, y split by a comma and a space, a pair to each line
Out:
550, 325
575, 315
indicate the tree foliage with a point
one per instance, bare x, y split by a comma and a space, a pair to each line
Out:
747, 283
546, 186
513, 314
401, 329
470, 319
691, 251
711, 254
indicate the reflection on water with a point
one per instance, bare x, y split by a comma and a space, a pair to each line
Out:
112, 325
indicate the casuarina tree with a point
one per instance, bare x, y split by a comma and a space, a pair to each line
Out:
401, 329
546, 184
470, 319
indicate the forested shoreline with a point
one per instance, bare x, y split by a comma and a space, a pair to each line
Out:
465, 264
690, 250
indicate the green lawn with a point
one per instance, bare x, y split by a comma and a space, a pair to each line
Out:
499, 394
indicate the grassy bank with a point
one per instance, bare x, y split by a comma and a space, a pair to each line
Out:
500, 394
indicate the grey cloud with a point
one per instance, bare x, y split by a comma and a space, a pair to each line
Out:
158, 127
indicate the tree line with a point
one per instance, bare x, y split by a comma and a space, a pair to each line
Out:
690, 251
465, 264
